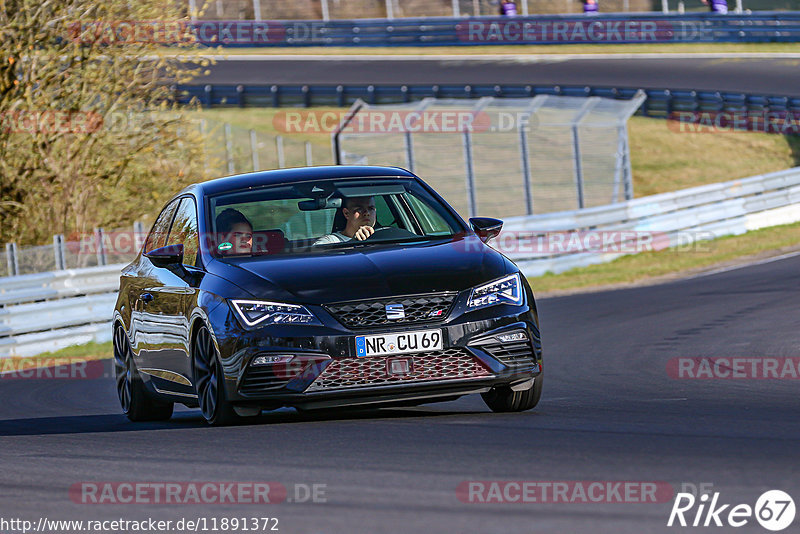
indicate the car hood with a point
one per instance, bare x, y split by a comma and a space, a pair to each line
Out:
358, 273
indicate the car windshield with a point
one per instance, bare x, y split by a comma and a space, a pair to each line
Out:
326, 215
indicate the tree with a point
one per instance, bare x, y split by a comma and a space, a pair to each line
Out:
89, 134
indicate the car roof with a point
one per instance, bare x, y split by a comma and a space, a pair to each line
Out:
288, 176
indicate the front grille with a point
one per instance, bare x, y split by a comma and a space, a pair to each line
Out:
514, 353
263, 379
369, 313
447, 364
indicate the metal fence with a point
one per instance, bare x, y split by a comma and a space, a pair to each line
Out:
504, 157
99, 248
360, 9
231, 149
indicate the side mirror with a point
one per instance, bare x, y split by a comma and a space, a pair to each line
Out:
485, 227
166, 256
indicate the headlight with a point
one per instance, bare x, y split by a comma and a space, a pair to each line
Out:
254, 312
506, 290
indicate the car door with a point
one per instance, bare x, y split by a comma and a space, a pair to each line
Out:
143, 284
168, 351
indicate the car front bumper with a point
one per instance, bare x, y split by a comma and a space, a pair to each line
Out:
326, 372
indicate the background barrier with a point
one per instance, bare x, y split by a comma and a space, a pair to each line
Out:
616, 28
659, 103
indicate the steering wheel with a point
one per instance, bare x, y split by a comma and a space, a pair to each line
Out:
389, 232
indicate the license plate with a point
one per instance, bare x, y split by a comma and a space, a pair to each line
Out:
398, 343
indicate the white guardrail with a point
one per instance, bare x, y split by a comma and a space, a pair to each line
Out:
48, 311
44, 312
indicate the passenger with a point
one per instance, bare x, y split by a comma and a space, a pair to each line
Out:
235, 233
359, 212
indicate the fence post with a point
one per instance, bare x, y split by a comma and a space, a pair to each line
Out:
254, 150
101, 247
739, 6
627, 172
326, 14
470, 172
204, 135
456, 8
193, 10
524, 8
576, 147
138, 236
526, 167
229, 148
389, 9
409, 143
279, 148
476, 8
58, 252
12, 259
309, 155
665, 6
257, 9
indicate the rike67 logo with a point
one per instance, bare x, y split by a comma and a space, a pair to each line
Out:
774, 510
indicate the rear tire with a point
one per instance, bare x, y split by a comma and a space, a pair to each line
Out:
503, 399
135, 402
209, 382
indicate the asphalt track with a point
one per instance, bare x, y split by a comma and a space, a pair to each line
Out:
609, 412
763, 75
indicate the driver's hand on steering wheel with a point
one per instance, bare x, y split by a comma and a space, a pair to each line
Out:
363, 233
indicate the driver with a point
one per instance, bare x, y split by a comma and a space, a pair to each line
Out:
360, 215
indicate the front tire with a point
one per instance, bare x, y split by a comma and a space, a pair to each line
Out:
209, 381
503, 399
133, 398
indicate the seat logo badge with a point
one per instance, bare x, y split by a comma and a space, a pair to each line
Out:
395, 312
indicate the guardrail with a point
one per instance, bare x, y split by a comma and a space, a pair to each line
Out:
680, 218
659, 103
618, 28
48, 311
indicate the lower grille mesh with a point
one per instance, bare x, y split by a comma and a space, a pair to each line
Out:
447, 364
514, 353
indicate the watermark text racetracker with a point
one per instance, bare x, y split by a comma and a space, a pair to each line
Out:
56, 368
58, 121
563, 492
774, 122
183, 524
734, 368
508, 242
577, 31
204, 493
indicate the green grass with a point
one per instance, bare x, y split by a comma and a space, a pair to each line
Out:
75, 353
653, 265
665, 159
656, 48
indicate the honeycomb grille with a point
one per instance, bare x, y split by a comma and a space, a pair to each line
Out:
370, 313
513, 354
447, 364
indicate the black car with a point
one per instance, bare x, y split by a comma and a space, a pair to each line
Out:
316, 288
